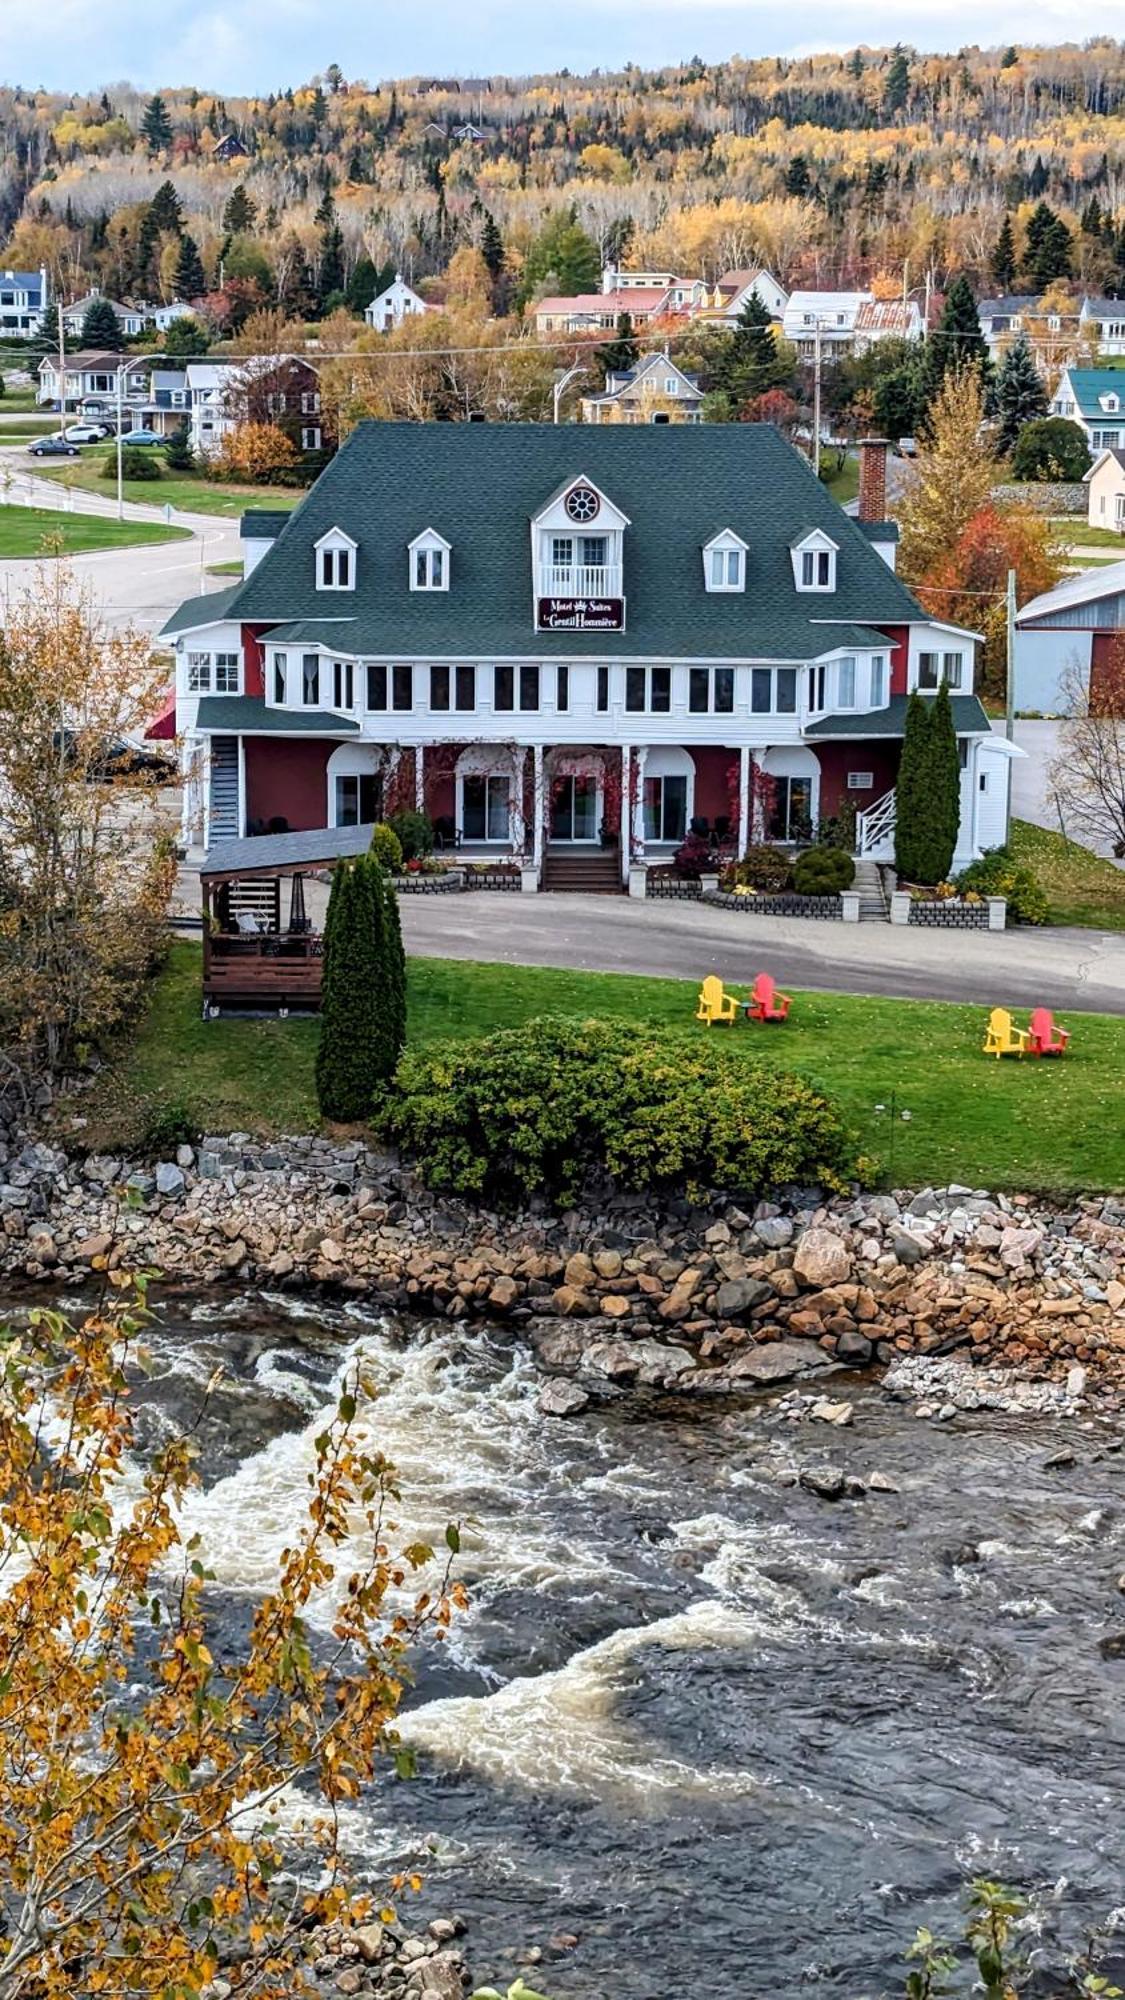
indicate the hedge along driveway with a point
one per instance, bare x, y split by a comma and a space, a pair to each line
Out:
1049, 1125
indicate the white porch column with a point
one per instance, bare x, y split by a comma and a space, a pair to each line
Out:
641, 754
516, 821
626, 770
757, 816
419, 778
538, 806
745, 831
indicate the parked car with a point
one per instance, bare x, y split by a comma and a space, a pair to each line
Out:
85, 433
140, 437
52, 447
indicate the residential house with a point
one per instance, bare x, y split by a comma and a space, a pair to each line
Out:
1093, 398
399, 302
164, 316
277, 389
230, 147
563, 645
684, 295
886, 319
833, 313
1002, 319
90, 387
734, 290
595, 312
656, 391
131, 320
24, 300
1102, 322
1072, 639
1106, 483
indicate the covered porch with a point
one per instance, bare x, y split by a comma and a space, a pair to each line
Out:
263, 943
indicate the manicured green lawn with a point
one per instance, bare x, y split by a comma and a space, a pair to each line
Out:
1080, 887
843, 485
195, 496
225, 569
1023, 1125
1079, 534
38, 531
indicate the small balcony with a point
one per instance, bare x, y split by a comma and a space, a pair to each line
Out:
579, 580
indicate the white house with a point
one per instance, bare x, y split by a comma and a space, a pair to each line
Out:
1093, 398
24, 301
734, 290
400, 301
1105, 482
683, 294
1073, 630
131, 320
1103, 322
833, 313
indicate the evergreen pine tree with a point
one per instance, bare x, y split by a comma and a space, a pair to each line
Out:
492, 250
350, 1058
911, 841
945, 782
855, 63
1048, 247
749, 363
100, 330
156, 126
896, 85
1009, 59
362, 286
928, 790
623, 351
956, 341
1003, 262
240, 213
395, 961
165, 214
191, 281
178, 453
1021, 394
798, 180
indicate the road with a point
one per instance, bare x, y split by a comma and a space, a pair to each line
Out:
1066, 970
136, 586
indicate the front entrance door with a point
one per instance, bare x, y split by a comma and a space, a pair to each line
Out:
790, 809
485, 807
574, 809
665, 801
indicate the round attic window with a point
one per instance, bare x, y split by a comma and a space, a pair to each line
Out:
582, 503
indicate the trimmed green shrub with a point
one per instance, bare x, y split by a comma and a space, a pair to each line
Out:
548, 1106
362, 994
386, 847
137, 462
1051, 448
763, 868
996, 874
823, 871
928, 790
415, 834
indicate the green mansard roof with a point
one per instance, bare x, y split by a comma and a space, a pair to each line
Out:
480, 485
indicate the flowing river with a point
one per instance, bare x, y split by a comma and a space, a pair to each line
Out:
731, 1737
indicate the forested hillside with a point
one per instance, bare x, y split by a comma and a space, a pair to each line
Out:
832, 169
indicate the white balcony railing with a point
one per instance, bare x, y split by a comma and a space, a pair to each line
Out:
579, 580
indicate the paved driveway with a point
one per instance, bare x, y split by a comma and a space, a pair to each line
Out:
1062, 969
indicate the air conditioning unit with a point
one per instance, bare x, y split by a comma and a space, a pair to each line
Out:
861, 781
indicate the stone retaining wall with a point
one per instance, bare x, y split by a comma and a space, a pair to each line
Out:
450, 881
827, 908
1060, 496
672, 887
951, 916
500, 881
627, 1290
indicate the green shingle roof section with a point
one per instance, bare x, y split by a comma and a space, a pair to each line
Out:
263, 524
197, 611
247, 715
969, 719
479, 485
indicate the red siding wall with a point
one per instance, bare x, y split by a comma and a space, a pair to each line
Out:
287, 779
837, 759
1107, 673
899, 636
712, 792
253, 660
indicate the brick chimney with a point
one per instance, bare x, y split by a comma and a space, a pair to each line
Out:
873, 478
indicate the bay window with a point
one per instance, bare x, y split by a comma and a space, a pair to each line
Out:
648, 690
845, 682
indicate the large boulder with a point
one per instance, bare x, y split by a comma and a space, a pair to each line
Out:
738, 1296
822, 1258
777, 1361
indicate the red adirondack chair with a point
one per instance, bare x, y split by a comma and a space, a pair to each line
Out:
765, 1002
1043, 1038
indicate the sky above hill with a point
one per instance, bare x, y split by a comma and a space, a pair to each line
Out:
262, 45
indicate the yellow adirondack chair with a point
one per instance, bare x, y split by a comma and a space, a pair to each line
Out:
714, 1004
1001, 1038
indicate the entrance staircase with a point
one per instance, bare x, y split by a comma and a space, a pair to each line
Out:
582, 871
872, 901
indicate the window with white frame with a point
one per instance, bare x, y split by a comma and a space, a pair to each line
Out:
335, 561
343, 684
933, 668
279, 679
199, 673
814, 562
861, 781
773, 690
724, 563
878, 681
429, 562
226, 673
648, 690
845, 681
310, 680
710, 690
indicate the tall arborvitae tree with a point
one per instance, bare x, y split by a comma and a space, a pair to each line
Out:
896, 84
240, 213
955, 342
395, 962
1003, 261
191, 279
156, 126
350, 1057
945, 766
912, 836
100, 328
623, 351
1021, 393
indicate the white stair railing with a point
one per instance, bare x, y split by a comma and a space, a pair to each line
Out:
875, 828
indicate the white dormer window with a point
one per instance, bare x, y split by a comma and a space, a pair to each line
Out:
724, 562
335, 561
1110, 402
429, 562
814, 561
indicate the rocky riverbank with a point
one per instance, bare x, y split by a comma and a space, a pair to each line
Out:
713, 1301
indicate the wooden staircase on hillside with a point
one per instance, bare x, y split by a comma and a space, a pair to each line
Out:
583, 871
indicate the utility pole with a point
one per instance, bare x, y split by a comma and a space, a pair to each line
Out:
816, 396
1010, 692
120, 428
62, 372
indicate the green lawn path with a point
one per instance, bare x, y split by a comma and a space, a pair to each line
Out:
192, 494
39, 531
1027, 1125
1081, 888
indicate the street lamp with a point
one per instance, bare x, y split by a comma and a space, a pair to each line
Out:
563, 383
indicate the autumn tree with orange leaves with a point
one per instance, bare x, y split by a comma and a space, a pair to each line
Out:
969, 586
141, 1766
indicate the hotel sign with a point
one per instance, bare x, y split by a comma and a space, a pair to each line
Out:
581, 614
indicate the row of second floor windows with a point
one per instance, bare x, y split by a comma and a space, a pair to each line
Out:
850, 682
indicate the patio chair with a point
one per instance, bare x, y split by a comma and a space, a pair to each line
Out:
766, 1003
1043, 1037
1001, 1038
715, 1004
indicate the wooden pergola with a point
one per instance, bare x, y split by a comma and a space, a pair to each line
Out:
251, 956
